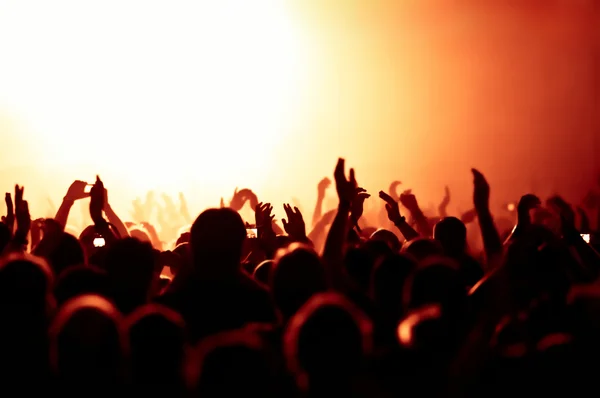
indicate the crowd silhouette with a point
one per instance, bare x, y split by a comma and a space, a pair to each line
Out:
386, 303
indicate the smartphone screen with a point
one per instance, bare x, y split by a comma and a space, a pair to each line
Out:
586, 237
99, 242
251, 233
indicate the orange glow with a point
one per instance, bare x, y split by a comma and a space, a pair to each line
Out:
202, 96
153, 95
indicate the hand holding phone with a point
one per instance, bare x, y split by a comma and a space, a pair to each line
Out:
586, 238
99, 241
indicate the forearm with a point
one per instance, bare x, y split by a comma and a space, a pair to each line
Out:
491, 239
422, 223
62, 215
317, 214
333, 254
406, 230
114, 219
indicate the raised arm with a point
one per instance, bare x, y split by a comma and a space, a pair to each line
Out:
443, 207
333, 254
481, 199
393, 211
409, 201
113, 218
75, 192
321, 190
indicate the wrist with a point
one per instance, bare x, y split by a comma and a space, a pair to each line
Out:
20, 238
400, 221
68, 201
344, 206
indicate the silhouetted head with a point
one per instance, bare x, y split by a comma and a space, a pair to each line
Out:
327, 341
217, 239
5, 235
139, 234
79, 280
185, 237
425, 329
157, 343
262, 272
26, 284
452, 235
131, 269
359, 262
67, 253
87, 347
387, 283
436, 280
232, 364
540, 264
388, 237
297, 274
26, 303
421, 248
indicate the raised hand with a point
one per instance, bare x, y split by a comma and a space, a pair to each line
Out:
97, 201
567, 215
21, 213
469, 216
77, 191
264, 217
36, 231
238, 200
526, 204
358, 204
183, 208
392, 208
393, 190
294, 225
346, 187
9, 219
250, 197
264, 227
409, 201
322, 187
481, 191
442, 208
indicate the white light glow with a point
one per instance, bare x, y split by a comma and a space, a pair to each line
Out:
157, 94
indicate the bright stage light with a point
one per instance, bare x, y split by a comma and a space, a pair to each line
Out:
153, 94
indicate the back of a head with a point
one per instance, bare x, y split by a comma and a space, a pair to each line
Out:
421, 248
388, 237
5, 235
231, 364
139, 234
79, 280
26, 284
218, 235
157, 343
86, 344
68, 253
388, 280
359, 262
25, 305
436, 281
130, 265
297, 275
328, 340
452, 234
262, 272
